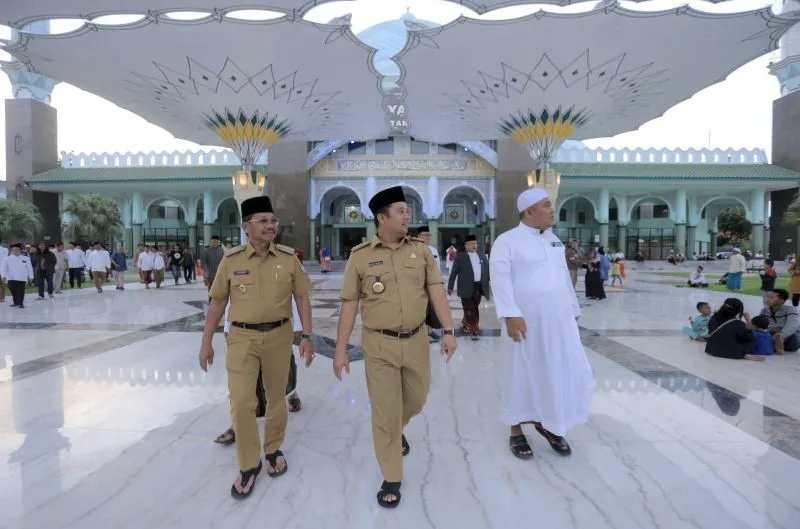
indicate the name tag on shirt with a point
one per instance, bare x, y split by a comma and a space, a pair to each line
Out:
241, 272
376, 263
557, 244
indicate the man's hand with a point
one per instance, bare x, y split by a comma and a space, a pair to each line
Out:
206, 356
448, 346
340, 361
307, 350
516, 329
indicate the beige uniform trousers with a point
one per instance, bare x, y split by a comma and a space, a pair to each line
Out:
247, 352
398, 380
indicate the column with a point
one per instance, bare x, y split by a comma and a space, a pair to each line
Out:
193, 236
492, 231
712, 237
680, 238
622, 239
137, 219
757, 238
433, 225
604, 234
372, 230
207, 233
691, 240
312, 239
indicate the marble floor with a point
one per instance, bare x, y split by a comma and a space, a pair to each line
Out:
106, 420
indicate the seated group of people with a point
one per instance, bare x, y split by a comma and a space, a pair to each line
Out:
731, 333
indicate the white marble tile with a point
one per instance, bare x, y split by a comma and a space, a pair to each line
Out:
23, 345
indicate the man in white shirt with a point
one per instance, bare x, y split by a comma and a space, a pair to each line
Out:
697, 279
16, 272
3, 255
76, 261
424, 233
99, 263
145, 262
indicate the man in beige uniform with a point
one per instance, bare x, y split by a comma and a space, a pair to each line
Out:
393, 276
260, 279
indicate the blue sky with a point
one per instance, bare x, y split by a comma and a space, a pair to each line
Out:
735, 113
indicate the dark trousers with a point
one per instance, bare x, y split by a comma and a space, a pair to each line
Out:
470, 306
17, 289
187, 273
41, 278
291, 385
176, 272
795, 299
75, 274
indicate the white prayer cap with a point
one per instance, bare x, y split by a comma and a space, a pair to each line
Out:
529, 197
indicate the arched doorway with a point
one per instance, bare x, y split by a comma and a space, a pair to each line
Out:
463, 213
723, 225
341, 222
414, 203
165, 224
228, 226
575, 219
651, 231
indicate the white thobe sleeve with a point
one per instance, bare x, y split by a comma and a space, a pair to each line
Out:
505, 303
297, 325
227, 326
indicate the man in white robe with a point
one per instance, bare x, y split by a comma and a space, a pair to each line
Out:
548, 381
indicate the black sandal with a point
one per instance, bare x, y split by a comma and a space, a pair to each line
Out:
387, 488
557, 443
520, 447
272, 459
246, 475
228, 437
295, 404
406, 447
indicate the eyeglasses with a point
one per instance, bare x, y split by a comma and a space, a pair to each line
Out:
265, 222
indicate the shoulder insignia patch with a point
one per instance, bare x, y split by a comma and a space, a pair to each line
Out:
234, 250
285, 249
359, 247
416, 240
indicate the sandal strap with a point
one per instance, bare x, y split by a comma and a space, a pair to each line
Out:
273, 457
391, 487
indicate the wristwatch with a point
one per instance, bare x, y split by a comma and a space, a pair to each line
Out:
451, 332
305, 336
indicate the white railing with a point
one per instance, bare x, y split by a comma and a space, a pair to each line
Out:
221, 157
693, 156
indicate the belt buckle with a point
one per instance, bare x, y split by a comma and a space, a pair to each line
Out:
404, 334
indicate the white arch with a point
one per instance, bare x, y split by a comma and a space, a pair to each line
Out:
222, 201
723, 197
166, 197
571, 197
636, 202
340, 186
469, 186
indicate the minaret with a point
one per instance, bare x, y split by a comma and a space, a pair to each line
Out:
787, 67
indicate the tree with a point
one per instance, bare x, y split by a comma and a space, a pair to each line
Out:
94, 217
733, 226
19, 220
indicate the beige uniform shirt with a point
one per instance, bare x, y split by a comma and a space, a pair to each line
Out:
260, 288
405, 273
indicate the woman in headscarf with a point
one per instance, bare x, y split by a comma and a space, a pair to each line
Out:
729, 333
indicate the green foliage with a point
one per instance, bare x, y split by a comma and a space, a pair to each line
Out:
792, 215
733, 226
94, 218
19, 220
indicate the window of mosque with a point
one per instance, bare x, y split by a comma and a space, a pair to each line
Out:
351, 214
660, 211
581, 217
419, 147
562, 215
357, 147
449, 148
165, 212
613, 214
384, 146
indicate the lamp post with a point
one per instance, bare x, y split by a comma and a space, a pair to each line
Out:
542, 133
249, 137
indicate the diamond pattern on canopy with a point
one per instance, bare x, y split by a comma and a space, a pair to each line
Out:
19, 12
625, 67
317, 78
484, 6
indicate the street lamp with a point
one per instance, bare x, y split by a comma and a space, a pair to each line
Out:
542, 133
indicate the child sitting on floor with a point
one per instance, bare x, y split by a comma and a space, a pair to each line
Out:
698, 331
763, 344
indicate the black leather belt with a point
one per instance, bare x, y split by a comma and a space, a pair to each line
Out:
401, 334
262, 327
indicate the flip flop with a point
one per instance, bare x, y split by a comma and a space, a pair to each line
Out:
246, 475
272, 459
557, 443
519, 446
228, 437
